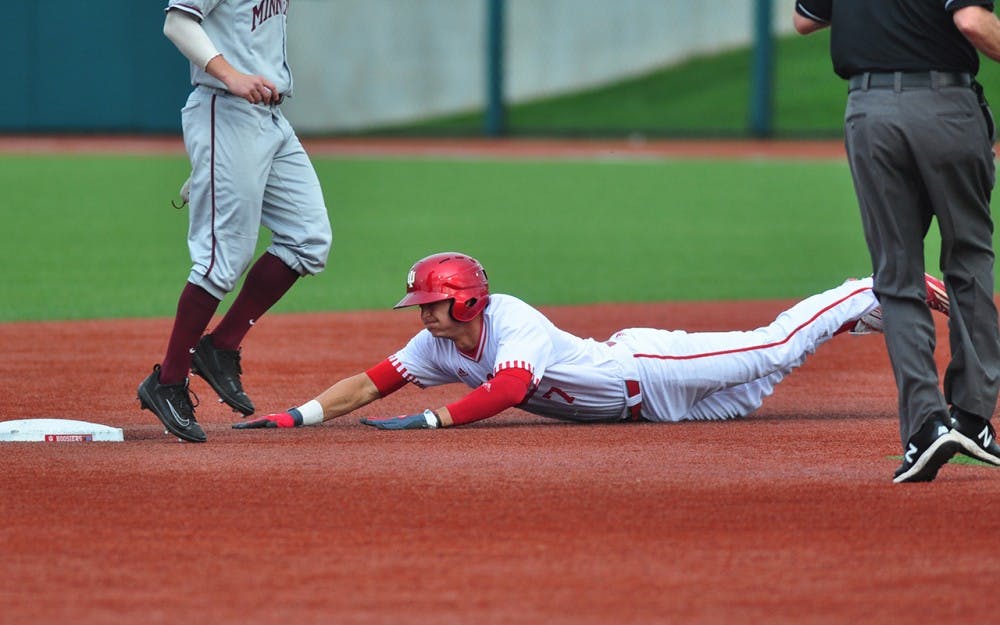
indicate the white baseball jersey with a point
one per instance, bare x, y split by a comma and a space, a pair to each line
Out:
572, 378
250, 34
670, 375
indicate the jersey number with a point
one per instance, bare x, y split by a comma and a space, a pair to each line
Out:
561, 393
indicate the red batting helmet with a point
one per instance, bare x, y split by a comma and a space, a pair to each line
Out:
444, 276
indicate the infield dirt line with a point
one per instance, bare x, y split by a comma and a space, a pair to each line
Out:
752, 149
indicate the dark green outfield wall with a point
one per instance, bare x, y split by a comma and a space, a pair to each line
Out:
71, 66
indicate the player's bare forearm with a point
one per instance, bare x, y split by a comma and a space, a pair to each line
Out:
251, 88
343, 397
444, 416
347, 396
981, 27
804, 25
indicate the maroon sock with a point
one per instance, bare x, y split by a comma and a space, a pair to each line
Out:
194, 312
267, 281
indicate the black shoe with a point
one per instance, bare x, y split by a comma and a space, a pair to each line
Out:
926, 452
976, 436
171, 403
221, 369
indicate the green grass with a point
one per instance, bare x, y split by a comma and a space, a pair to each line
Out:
91, 237
96, 237
958, 460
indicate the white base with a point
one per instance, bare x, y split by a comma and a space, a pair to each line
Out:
58, 430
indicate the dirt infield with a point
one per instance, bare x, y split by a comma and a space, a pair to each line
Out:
785, 517
788, 516
456, 148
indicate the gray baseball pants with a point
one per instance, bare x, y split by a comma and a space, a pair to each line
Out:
917, 154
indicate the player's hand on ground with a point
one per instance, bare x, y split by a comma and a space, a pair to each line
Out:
424, 421
276, 420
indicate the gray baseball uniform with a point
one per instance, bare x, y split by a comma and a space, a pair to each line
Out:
920, 144
248, 166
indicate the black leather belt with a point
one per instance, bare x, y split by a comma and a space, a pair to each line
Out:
908, 80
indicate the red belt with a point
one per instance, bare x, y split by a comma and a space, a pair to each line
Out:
633, 400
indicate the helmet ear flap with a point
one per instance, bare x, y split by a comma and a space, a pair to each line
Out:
467, 309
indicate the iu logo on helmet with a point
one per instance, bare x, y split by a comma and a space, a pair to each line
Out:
411, 278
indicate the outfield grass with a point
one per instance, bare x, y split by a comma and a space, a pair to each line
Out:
96, 237
93, 237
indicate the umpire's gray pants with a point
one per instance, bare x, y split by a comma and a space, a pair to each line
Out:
917, 154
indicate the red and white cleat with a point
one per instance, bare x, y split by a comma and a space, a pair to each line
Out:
937, 295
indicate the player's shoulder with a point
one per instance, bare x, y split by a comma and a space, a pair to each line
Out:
503, 297
502, 301
187, 8
512, 310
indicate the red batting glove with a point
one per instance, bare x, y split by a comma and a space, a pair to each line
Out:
290, 419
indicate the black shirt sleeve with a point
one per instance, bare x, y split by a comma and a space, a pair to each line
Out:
954, 5
895, 35
816, 10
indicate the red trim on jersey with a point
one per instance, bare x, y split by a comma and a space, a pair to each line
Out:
754, 347
386, 378
401, 370
480, 346
516, 364
507, 389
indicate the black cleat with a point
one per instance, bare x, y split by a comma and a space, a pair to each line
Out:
926, 452
976, 436
221, 369
171, 403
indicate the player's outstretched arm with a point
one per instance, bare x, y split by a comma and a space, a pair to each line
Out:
506, 390
341, 398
